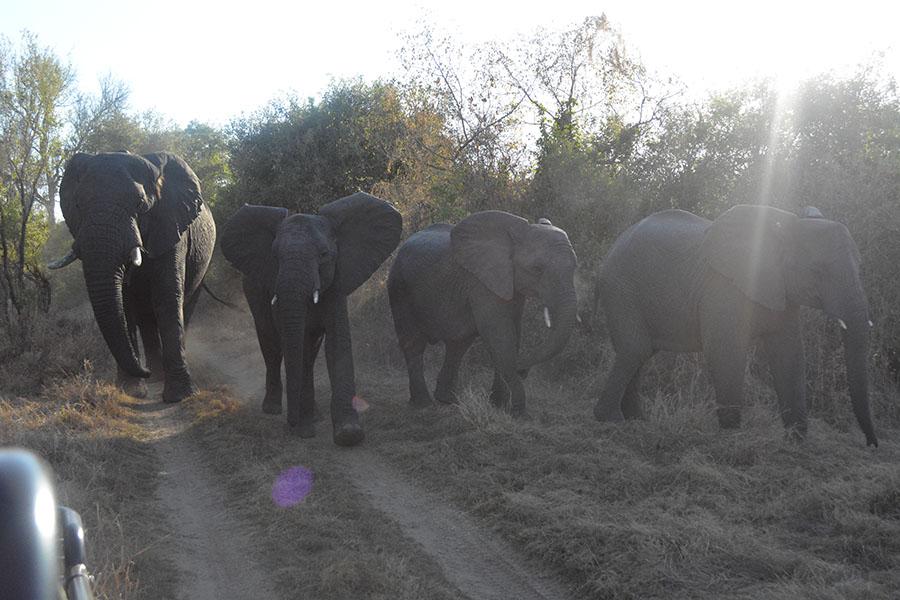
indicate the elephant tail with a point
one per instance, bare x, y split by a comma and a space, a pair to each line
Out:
216, 298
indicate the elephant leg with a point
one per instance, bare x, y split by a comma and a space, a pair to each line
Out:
168, 305
413, 354
631, 400
445, 391
347, 429
189, 307
498, 330
618, 399
152, 345
499, 391
133, 386
270, 346
309, 412
726, 356
412, 343
784, 353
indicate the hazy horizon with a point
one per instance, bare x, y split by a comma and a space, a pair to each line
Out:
193, 61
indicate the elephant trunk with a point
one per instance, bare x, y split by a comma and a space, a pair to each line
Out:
559, 315
291, 315
847, 303
856, 343
104, 286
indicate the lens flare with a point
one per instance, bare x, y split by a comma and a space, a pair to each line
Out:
292, 486
360, 405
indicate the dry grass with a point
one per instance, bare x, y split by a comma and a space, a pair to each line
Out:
61, 345
329, 546
106, 470
664, 508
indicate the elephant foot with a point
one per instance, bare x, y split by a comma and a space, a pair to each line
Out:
133, 387
729, 417
271, 404
606, 415
305, 430
445, 397
499, 400
793, 434
176, 391
520, 415
634, 414
420, 401
349, 432
271, 407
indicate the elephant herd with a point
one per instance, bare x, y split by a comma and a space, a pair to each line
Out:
673, 281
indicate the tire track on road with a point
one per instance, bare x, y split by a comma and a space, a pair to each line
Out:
480, 564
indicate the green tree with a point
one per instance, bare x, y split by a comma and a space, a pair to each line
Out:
34, 85
301, 155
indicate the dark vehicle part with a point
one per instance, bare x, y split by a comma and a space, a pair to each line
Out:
77, 582
30, 534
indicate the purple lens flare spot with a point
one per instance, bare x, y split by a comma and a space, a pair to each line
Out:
360, 405
292, 486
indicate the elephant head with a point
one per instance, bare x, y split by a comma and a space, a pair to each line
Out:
778, 258
300, 258
511, 256
120, 207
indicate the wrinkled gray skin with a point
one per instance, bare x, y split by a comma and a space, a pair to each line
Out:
298, 271
452, 284
145, 239
678, 282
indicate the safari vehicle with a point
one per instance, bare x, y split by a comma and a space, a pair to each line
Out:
41, 544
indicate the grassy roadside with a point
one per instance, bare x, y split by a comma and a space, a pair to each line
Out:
95, 438
670, 507
330, 545
106, 469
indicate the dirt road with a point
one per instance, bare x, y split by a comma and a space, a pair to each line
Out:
211, 545
212, 550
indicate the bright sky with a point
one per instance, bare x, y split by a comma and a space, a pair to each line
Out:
212, 61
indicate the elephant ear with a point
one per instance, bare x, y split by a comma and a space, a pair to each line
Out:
68, 190
747, 244
178, 204
247, 239
484, 243
367, 229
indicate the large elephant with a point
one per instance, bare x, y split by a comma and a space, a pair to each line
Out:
453, 284
675, 281
298, 271
145, 238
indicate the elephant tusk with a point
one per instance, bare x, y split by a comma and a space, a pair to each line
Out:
136, 259
842, 324
316, 297
547, 317
274, 299
578, 317
871, 324
59, 263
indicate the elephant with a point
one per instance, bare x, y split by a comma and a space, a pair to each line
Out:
452, 284
145, 239
297, 273
678, 282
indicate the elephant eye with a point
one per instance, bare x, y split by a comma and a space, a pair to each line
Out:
143, 204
